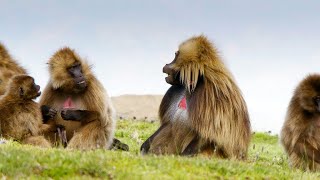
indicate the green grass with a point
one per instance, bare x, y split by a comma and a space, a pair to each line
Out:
266, 161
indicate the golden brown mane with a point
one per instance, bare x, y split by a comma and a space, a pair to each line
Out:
8, 63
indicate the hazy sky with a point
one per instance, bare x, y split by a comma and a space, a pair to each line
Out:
269, 46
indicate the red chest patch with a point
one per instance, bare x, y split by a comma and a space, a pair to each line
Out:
68, 104
183, 103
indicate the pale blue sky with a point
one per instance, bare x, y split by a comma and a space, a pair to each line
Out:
268, 45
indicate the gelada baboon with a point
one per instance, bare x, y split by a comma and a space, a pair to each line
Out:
8, 68
300, 133
203, 111
20, 116
75, 99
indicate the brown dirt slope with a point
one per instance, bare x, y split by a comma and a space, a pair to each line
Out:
138, 106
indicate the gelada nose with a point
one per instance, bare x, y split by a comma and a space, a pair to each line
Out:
165, 68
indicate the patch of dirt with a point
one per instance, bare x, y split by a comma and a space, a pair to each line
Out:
140, 107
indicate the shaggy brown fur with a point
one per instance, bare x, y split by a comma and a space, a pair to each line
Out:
300, 134
5, 76
216, 120
8, 68
98, 129
7, 62
20, 116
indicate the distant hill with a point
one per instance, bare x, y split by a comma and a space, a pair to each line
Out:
138, 106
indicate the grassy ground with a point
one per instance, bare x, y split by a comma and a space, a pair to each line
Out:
266, 161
